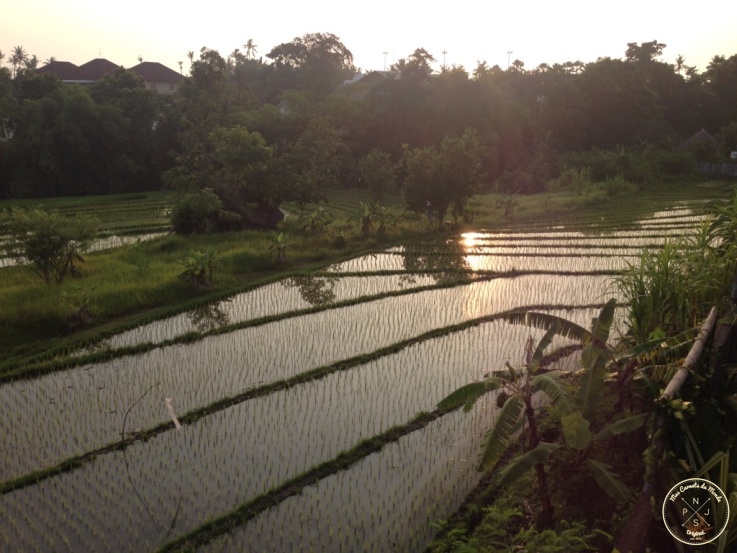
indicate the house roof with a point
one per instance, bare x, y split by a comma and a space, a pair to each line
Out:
96, 69
372, 77
700, 136
62, 70
153, 71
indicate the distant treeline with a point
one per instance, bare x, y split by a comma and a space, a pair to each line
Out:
117, 136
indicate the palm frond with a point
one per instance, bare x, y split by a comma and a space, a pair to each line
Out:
497, 439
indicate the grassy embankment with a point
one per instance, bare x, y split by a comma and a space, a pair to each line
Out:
127, 285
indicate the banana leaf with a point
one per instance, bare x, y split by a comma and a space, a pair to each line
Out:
519, 466
576, 430
468, 394
555, 389
497, 439
621, 426
609, 481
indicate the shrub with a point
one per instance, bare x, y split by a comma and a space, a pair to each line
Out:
46, 242
200, 213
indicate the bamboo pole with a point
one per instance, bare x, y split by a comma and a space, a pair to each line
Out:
632, 538
693, 356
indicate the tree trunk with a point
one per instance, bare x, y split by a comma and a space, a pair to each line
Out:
546, 513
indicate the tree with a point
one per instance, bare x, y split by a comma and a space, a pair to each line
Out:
251, 49
680, 63
203, 101
244, 174
378, 173
145, 140
445, 177
416, 67
319, 61
18, 59
645, 52
311, 166
618, 104
721, 80
48, 243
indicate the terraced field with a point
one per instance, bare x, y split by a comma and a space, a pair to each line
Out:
123, 219
306, 415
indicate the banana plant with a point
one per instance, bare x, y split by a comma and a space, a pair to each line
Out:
574, 396
316, 220
280, 242
198, 267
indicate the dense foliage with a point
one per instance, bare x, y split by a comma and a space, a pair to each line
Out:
262, 131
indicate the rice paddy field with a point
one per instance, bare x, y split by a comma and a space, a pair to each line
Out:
124, 218
300, 415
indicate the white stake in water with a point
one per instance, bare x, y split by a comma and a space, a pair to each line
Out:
167, 401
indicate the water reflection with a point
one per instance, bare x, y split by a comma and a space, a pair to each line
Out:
447, 263
314, 290
208, 316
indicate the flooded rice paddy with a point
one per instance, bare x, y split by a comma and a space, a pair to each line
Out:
278, 383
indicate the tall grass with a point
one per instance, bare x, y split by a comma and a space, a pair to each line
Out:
673, 288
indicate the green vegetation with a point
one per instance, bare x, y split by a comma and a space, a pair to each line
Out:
228, 390
574, 172
46, 242
141, 279
668, 292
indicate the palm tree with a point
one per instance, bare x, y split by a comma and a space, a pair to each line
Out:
180, 66
18, 57
680, 63
482, 69
52, 59
251, 49
190, 55
31, 63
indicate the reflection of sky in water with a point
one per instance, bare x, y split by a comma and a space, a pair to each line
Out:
213, 465
265, 301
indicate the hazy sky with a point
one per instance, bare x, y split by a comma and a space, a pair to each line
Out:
535, 31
